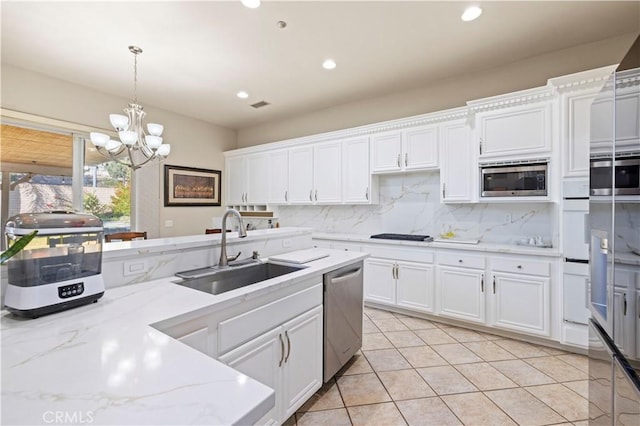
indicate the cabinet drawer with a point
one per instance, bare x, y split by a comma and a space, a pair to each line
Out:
346, 246
418, 254
242, 328
461, 259
519, 266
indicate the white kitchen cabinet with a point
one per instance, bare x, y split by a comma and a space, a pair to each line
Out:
515, 133
460, 287
575, 314
359, 186
301, 175
315, 174
278, 176
247, 179
399, 283
520, 292
288, 359
457, 165
575, 131
408, 150
627, 113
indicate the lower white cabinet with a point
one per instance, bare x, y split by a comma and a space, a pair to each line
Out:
288, 359
400, 283
461, 293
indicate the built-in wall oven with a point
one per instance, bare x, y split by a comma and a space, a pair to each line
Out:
619, 177
514, 180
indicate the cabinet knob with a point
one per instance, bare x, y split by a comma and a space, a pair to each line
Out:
459, 260
519, 266
406, 159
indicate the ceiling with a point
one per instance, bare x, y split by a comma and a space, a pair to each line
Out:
198, 55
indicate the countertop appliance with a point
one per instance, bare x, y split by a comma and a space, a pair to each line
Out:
60, 268
514, 180
403, 237
614, 293
343, 306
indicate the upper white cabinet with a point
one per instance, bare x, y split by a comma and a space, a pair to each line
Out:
315, 174
457, 164
247, 179
358, 185
515, 133
576, 116
278, 176
407, 150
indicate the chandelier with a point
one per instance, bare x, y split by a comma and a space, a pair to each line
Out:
135, 147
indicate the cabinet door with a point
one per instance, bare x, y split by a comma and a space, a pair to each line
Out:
521, 303
302, 361
262, 359
386, 152
515, 131
420, 148
575, 132
415, 286
379, 281
327, 173
457, 170
356, 178
236, 168
301, 175
279, 177
461, 293
257, 179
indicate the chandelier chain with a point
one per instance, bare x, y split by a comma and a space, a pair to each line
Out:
135, 78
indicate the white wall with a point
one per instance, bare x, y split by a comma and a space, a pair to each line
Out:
193, 142
450, 93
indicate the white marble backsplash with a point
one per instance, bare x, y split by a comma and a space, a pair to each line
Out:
410, 204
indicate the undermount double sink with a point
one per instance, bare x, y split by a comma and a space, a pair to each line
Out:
214, 280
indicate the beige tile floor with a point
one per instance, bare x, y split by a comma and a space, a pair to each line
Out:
418, 372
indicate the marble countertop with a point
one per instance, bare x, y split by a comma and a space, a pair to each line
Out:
104, 363
482, 247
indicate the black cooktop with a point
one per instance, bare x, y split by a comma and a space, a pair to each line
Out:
404, 237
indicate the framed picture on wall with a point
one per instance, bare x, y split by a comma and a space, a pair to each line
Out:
188, 186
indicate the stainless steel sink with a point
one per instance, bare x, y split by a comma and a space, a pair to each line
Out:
219, 280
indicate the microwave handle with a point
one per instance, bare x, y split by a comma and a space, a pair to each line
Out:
587, 228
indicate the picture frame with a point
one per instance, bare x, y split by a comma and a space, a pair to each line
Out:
190, 186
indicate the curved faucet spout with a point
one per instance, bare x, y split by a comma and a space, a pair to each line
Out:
224, 260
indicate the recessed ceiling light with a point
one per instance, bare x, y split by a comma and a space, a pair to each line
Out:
471, 13
242, 94
329, 64
251, 4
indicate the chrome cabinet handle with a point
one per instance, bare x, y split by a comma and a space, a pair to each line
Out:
624, 304
638, 306
480, 145
366, 193
494, 284
482, 283
281, 350
444, 186
286, 358
397, 272
286, 196
406, 159
311, 195
316, 195
398, 160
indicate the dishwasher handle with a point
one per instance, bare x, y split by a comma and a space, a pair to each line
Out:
346, 277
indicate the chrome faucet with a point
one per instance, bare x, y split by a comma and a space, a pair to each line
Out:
224, 260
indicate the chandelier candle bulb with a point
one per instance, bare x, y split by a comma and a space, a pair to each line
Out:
164, 149
155, 129
128, 137
99, 139
153, 142
119, 122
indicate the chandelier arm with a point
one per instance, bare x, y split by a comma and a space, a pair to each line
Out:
153, 157
108, 155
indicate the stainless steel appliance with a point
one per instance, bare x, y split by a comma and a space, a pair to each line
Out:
403, 237
514, 180
343, 305
619, 177
60, 268
614, 214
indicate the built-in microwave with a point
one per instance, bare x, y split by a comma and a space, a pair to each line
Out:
514, 180
625, 182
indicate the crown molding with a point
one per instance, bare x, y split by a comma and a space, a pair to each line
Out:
522, 97
591, 79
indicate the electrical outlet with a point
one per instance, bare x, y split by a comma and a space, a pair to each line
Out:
168, 223
286, 243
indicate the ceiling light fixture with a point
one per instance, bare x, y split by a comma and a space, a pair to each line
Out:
242, 94
329, 64
140, 147
251, 4
471, 13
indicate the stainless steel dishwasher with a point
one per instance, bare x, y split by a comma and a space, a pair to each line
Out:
343, 301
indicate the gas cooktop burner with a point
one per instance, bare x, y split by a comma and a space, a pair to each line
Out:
404, 237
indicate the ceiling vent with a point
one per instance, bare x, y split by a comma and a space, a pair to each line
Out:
260, 104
